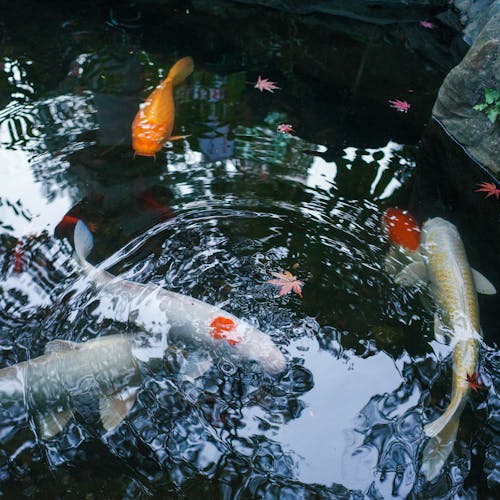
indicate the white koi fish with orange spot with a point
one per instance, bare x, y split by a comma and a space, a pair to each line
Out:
160, 312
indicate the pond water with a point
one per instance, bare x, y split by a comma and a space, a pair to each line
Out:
212, 216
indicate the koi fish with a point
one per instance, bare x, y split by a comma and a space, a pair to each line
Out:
106, 367
154, 122
162, 312
441, 261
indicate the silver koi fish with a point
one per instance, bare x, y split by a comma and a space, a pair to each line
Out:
442, 262
49, 385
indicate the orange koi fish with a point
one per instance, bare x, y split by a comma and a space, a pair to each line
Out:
402, 228
154, 122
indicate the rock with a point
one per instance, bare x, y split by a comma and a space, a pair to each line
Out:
464, 88
473, 16
374, 11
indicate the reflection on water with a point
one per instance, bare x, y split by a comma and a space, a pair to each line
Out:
212, 217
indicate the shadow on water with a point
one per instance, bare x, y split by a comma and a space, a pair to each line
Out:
212, 217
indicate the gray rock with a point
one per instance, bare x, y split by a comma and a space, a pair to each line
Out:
464, 87
374, 11
473, 16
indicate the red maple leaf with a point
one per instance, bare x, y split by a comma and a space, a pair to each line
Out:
402, 106
489, 188
428, 25
285, 128
474, 383
286, 282
265, 84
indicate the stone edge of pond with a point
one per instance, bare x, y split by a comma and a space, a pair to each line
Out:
464, 87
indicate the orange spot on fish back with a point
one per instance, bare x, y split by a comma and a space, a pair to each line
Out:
402, 228
223, 328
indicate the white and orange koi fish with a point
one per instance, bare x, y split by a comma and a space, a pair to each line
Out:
160, 311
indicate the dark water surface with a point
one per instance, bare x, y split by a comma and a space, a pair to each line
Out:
212, 217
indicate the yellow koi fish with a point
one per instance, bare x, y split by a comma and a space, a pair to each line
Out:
442, 262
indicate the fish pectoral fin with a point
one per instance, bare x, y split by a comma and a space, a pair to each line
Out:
58, 345
398, 258
393, 261
51, 424
178, 137
441, 333
113, 409
412, 274
483, 285
195, 366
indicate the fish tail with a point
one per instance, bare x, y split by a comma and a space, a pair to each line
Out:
442, 433
181, 70
83, 240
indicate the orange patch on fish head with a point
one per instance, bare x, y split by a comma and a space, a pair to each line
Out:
402, 228
225, 328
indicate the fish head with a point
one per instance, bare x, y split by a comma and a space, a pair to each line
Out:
147, 137
247, 342
434, 226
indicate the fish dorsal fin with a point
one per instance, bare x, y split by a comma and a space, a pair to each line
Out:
58, 345
51, 424
483, 285
412, 274
114, 408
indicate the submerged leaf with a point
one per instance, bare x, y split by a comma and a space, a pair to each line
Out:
265, 84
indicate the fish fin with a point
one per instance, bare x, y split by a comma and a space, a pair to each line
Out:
83, 239
438, 449
58, 345
412, 274
483, 285
181, 70
398, 258
178, 137
195, 366
393, 261
441, 333
113, 409
51, 424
